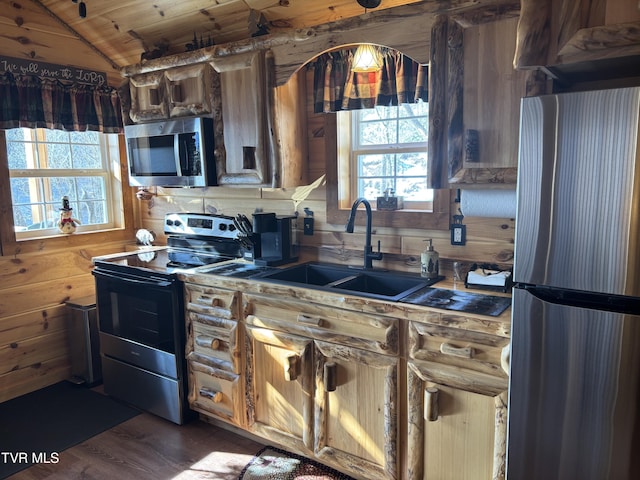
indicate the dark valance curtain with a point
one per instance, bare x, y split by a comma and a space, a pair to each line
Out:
31, 102
336, 87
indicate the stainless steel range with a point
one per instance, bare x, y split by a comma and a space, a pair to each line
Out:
141, 312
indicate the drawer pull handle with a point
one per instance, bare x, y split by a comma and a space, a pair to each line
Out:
291, 368
330, 370
463, 352
310, 319
208, 342
206, 300
431, 404
215, 397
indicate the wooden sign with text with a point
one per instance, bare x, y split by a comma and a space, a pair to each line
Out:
19, 66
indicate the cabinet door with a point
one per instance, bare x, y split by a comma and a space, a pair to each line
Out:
472, 62
457, 430
279, 379
148, 97
189, 90
244, 117
356, 410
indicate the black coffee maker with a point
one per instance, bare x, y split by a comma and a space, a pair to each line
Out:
273, 239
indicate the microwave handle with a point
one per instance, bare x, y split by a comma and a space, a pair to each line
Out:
177, 150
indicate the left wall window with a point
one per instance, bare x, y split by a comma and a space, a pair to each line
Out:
46, 165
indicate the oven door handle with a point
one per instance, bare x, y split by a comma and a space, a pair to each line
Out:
152, 283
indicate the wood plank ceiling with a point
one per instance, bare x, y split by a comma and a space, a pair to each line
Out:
116, 33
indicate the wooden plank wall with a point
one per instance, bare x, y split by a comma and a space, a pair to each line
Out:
37, 277
34, 342
488, 239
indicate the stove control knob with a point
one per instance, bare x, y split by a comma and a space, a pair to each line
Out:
177, 223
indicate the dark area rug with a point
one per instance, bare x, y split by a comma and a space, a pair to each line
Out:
36, 427
271, 463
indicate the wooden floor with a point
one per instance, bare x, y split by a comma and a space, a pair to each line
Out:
149, 447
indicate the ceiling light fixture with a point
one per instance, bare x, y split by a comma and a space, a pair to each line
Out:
369, 3
82, 8
366, 59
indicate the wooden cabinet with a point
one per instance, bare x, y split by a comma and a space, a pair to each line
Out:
456, 404
148, 97
590, 35
306, 391
373, 389
259, 129
264, 127
214, 354
280, 387
174, 92
244, 96
356, 414
474, 125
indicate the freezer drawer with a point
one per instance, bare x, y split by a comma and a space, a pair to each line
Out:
153, 393
574, 392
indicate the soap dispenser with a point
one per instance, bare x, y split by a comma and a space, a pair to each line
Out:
430, 262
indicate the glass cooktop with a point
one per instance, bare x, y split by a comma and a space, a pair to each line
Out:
163, 261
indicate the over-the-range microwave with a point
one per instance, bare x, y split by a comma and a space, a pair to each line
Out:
171, 153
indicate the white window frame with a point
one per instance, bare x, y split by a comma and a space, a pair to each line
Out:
348, 151
110, 173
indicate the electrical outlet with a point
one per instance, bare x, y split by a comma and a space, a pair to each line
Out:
458, 234
308, 226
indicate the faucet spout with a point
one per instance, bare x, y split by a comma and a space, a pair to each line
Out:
369, 255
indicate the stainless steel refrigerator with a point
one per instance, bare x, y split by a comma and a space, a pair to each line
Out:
574, 393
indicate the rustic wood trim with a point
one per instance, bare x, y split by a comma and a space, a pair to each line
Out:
455, 94
500, 437
437, 156
533, 39
602, 42
487, 14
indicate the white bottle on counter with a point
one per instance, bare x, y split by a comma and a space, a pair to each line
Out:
430, 262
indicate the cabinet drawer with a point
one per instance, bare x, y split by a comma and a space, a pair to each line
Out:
457, 347
217, 344
212, 301
215, 392
356, 329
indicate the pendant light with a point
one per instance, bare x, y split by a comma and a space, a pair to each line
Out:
366, 59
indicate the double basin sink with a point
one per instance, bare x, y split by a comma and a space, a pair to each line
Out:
384, 285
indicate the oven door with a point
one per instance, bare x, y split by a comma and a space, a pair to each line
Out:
140, 320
